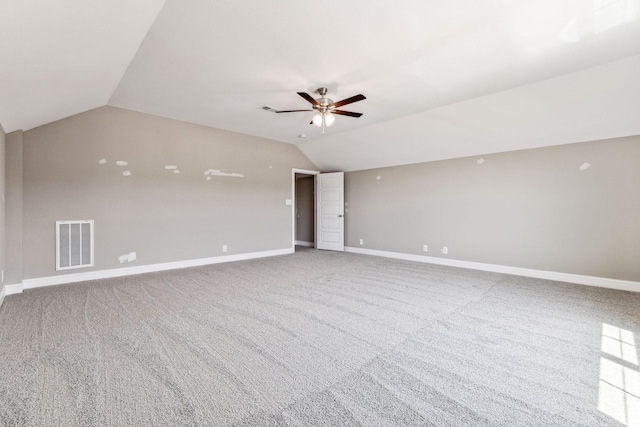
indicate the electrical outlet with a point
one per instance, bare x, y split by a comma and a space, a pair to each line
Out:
224, 248
425, 248
361, 242
445, 250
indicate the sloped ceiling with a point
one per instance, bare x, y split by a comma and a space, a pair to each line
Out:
63, 57
442, 78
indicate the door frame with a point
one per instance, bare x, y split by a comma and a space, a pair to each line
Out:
294, 171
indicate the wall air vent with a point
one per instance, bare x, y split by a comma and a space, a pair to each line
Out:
74, 244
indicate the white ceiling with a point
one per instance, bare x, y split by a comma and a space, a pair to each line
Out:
442, 78
63, 57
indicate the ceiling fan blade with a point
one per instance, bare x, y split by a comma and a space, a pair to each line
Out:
353, 99
308, 98
290, 111
346, 113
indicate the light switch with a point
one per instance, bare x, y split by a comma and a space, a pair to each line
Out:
288, 202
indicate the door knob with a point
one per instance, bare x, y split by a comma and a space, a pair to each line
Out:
340, 216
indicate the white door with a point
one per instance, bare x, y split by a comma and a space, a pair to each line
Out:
330, 211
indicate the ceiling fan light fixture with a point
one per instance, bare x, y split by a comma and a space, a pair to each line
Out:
323, 119
329, 119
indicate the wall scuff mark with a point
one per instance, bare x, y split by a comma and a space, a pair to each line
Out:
215, 172
130, 257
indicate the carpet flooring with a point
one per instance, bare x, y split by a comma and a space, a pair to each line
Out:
320, 339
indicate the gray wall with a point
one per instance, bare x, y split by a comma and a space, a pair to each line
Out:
13, 269
305, 209
3, 228
160, 215
532, 209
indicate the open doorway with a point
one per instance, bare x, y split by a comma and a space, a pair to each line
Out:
304, 211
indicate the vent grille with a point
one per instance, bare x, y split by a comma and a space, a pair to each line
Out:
269, 108
74, 244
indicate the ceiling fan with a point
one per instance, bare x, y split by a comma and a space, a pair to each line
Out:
325, 108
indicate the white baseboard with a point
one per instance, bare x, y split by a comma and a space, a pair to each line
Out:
127, 271
13, 289
9, 290
602, 282
303, 243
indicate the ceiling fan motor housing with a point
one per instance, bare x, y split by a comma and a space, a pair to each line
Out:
323, 102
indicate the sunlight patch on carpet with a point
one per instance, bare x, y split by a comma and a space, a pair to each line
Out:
619, 386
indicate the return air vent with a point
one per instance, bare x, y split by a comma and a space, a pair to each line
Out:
74, 244
269, 108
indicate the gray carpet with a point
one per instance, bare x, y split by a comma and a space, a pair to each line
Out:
319, 339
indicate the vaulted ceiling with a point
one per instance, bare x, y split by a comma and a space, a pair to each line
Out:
443, 78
